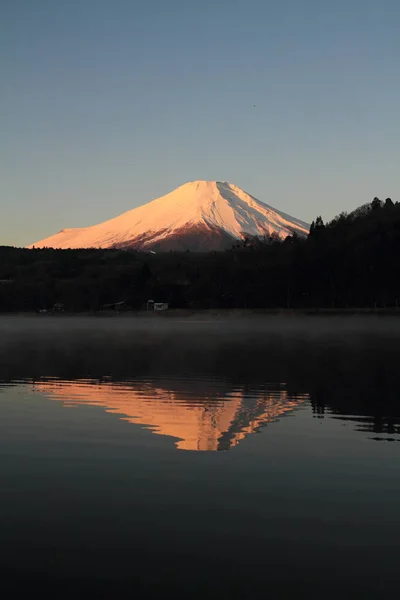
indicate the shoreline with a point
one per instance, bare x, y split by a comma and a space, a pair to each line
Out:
213, 313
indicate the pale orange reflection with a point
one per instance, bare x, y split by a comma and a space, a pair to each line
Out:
217, 421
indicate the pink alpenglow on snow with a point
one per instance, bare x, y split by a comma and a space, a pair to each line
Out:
197, 216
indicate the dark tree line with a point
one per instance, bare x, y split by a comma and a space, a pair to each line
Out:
350, 262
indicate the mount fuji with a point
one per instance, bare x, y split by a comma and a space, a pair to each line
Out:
197, 216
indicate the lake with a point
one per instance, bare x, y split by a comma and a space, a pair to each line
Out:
201, 457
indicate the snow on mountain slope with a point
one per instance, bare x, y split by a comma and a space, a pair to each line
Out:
200, 208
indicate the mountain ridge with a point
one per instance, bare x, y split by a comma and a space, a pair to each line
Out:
218, 213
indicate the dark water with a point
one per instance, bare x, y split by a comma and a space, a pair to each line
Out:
226, 459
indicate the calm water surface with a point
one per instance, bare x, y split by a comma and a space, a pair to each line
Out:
200, 459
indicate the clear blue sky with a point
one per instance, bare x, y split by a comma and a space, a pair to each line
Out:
107, 104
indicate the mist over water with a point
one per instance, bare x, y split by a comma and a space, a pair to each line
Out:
160, 454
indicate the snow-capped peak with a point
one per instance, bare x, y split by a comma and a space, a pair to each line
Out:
211, 206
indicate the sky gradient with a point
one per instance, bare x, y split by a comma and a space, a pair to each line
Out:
107, 104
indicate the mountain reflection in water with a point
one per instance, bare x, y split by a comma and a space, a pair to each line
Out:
97, 500
207, 384
201, 417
